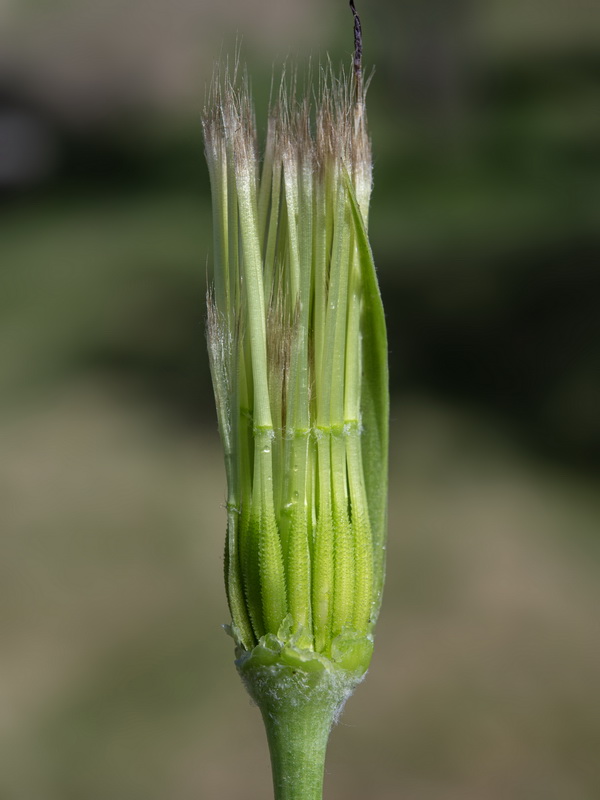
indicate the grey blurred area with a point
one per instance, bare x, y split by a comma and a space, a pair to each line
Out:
116, 680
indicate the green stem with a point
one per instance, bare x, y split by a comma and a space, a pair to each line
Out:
297, 743
299, 703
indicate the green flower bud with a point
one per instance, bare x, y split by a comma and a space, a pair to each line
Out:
298, 354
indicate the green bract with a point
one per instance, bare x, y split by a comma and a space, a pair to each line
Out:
298, 356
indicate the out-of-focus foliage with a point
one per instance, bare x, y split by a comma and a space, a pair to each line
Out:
114, 679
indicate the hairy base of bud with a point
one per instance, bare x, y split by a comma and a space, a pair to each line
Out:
300, 694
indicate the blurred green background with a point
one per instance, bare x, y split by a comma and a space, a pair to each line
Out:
115, 678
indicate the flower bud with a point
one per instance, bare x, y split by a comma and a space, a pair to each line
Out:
298, 355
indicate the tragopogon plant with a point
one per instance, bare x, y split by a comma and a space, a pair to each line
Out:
298, 355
